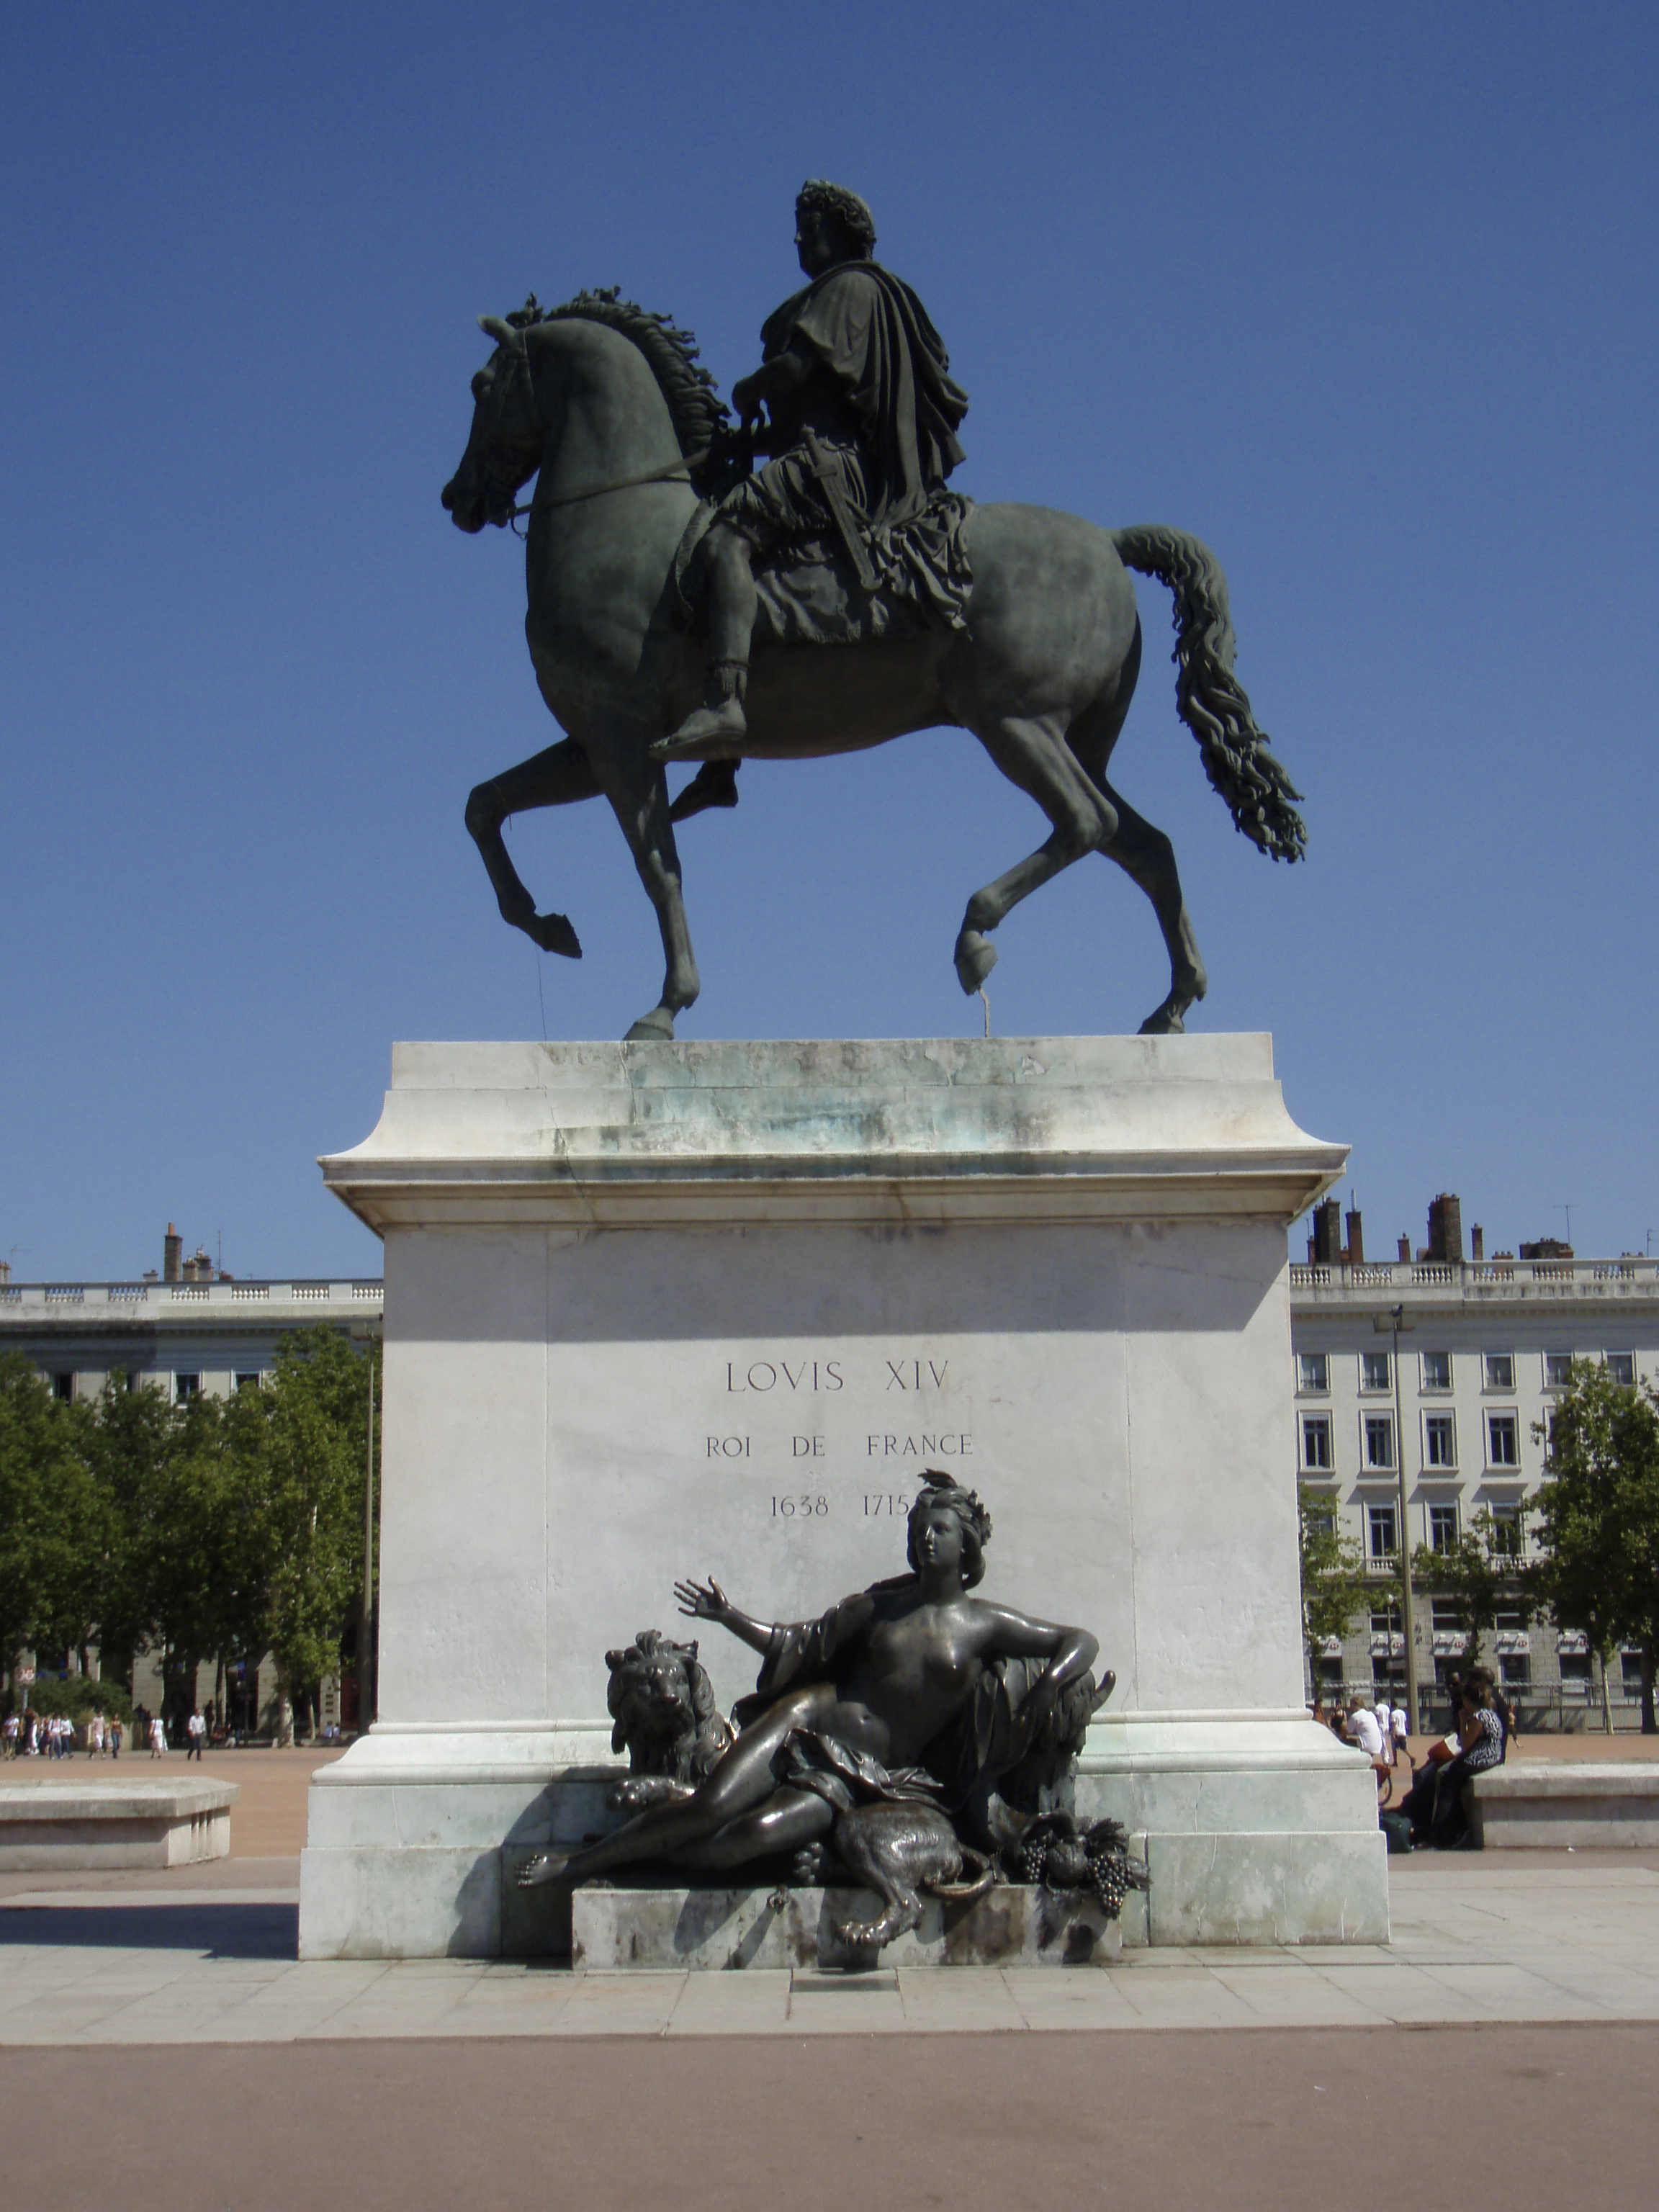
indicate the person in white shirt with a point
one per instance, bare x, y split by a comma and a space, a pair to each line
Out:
1402, 1728
1363, 1731
94, 1734
1384, 1712
196, 1730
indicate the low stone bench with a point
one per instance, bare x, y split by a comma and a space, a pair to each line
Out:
82, 1827
1533, 1802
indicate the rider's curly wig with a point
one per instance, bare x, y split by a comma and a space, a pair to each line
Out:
944, 1491
818, 195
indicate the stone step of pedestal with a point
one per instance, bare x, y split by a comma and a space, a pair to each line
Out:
615, 1929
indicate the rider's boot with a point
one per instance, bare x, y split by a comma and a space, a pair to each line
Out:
715, 784
720, 714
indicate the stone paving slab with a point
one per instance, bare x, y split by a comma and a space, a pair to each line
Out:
1474, 1940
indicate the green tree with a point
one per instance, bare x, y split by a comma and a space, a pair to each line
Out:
169, 1482
1598, 1516
53, 1517
1335, 1586
295, 1567
1473, 1578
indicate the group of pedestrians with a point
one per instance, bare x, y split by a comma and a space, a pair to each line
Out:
1432, 1809
30, 1734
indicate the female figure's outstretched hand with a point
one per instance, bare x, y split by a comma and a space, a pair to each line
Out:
710, 1602
702, 1604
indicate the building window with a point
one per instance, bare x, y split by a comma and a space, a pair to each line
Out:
1630, 1664
185, 1387
1379, 1440
1446, 1616
1575, 1668
1442, 1527
63, 1388
1387, 1674
1316, 1442
1313, 1370
1558, 1370
1446, 1664
1436, 1371
1374, 1371
247, 1381
1385, 1621
1509, 1619
1384, 1542
1330, 1673
1441, 1437
1621, 1366
1500, 1370
1516, 1669
1506, 1533
1503, 1440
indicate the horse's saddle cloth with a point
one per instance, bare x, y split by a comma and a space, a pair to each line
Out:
809, 593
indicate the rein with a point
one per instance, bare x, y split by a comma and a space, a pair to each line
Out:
668, 471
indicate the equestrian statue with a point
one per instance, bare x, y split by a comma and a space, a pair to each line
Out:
686, 605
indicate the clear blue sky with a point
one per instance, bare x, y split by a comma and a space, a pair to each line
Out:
1363, 296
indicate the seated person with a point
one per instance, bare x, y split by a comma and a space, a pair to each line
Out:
1434, 1803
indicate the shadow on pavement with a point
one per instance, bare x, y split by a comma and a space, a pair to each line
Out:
217, 1931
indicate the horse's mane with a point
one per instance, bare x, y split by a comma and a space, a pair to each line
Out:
670, 354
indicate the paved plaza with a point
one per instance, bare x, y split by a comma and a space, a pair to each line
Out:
207, 1955
184, 2061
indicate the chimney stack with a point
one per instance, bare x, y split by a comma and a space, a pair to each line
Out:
1356, 1238
1446, 1228
173, 1253
1405, 1248
1328, 1231
1477, 1244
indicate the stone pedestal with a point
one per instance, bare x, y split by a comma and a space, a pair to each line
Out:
661, 1310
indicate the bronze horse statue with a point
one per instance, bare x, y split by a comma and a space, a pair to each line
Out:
608, 403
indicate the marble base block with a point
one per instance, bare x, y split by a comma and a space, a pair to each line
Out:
1567, 1804
656, 1310
612, 1929
73, 1826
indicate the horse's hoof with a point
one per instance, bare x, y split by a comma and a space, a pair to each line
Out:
654, 1028
1166, 1022
553, 933
976, 957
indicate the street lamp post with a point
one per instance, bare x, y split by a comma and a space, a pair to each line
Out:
365, 1617
1394, 1321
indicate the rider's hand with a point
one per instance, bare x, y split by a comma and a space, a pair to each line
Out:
709, 1604
746, 398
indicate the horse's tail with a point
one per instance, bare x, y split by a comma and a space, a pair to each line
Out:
1209, 697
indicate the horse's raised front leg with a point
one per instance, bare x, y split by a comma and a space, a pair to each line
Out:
1147, 857
638, 791
1034, 755
556, 777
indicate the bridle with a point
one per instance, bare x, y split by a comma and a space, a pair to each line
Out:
668, 473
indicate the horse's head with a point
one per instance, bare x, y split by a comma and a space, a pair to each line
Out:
504, 448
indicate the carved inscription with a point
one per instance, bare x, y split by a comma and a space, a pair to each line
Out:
764, 1375
892, 1377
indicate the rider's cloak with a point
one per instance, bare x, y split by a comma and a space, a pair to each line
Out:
873, 335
